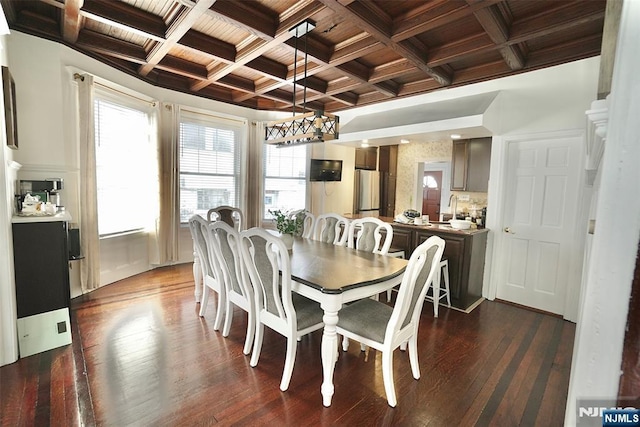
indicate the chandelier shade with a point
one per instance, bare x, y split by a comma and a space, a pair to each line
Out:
308, 127
315, 126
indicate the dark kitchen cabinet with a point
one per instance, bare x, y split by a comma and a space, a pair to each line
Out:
367, 158
466, 255
388, 166
470, 163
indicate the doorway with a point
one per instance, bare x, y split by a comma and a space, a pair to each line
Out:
431, 194
443, 170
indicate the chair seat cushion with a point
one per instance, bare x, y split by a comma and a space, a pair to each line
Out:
308, 312
367, 318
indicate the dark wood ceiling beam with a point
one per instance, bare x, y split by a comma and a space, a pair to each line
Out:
498, 31
125, 17
250, 16
360, 15
71, 20
37, 24
269, 68
109, 46
237, 83
434, 15
352, 51
186, 18
391, 70
562, 18
203, 43
183, 68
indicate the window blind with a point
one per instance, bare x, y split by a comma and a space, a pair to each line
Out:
126, 164
285, 179
209, 153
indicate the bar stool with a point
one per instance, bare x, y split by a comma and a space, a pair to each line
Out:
438, 289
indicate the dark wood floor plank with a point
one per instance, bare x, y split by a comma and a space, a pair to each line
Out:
141, 354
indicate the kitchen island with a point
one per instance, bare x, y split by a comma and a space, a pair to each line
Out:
465, 250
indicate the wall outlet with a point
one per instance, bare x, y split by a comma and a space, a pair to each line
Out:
463, 197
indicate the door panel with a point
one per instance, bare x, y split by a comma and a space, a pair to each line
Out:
540, 210
431, 196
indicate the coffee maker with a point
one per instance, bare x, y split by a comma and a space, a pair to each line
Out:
48, 190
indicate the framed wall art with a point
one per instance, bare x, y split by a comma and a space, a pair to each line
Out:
9, 89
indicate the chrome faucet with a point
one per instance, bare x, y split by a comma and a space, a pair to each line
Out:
453, 205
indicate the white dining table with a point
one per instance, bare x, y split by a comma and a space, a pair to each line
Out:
334, 275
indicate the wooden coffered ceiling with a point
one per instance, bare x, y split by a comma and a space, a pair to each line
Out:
360, 52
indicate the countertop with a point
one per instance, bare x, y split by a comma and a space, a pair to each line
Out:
433, 226
60, 216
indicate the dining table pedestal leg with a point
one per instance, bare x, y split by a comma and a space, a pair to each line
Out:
329, 348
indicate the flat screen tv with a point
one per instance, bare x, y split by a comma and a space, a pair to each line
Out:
325, 170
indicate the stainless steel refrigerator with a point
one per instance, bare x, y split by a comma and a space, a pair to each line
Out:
367, 192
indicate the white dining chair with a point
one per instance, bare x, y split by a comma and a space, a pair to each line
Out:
307, 222
365, 234
231, 271
277, 307
229, 214
385, 328
198, 227
331, 228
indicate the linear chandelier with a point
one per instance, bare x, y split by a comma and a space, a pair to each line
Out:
308, 127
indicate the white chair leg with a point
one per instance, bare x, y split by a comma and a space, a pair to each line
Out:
257, 345
363, 347
403, 346
228, 318
445, 272
289, 360
251, 331
435, 286
204, 301
387, 377
389, 291
345, 343
413, 356
217, 323
197, 278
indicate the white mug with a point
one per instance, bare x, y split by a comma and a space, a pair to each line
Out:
425, 219
417, 221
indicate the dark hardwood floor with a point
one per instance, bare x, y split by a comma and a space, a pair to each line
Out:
141, 355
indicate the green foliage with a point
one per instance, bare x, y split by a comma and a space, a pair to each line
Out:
288, 224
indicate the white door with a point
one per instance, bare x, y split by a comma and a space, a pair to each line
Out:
539, 222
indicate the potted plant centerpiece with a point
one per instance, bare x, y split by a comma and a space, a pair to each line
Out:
288, 225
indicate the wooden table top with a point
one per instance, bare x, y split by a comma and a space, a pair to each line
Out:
334, 269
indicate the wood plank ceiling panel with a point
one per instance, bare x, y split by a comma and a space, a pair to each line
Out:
359, 53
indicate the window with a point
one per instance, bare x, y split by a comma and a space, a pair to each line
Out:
126, 163
209, 152
285, 180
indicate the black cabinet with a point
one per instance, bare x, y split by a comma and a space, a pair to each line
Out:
41, 262
470, 163
388, 166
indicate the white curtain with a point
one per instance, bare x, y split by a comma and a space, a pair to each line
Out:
89, 238
254, 176
166, 236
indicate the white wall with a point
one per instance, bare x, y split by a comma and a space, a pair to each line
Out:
8, 333
596, 364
